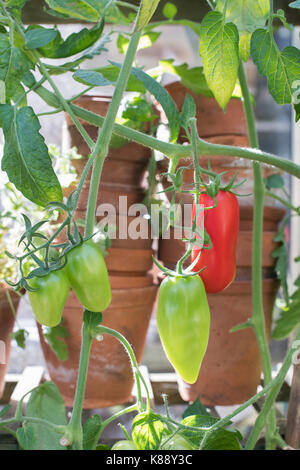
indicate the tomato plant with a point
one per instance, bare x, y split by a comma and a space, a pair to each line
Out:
227, 36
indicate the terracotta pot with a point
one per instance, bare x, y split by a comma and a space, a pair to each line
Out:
231, 369
125, 165
7, 321
130, 261
120, 197
129, 280
110, 379
211, 118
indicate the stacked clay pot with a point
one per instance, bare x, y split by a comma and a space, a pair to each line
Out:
231, 369
7, 321
110, 379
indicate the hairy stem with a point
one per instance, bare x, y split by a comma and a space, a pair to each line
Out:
258, 317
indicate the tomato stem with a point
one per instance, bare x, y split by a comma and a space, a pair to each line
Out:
258, 317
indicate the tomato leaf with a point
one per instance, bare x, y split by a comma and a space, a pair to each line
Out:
147, 40
193, 79
111, 73
20, 337
73, 44
26, 159
53, 336
147, 431
87, 10
196, 408
162, 96
13, 65
90, 77
295, 4
146, 12
282, 68
91, 431
39, 37
221, 439
219, 49
247, 16
45, 402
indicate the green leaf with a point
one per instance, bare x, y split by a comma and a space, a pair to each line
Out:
145, 14
73, 44
280, 14
88, 10
15, 3
162, 96
45, 402
193, 79
13, 65
26, 159
147, 431
295, 4
139, 110
247, 15
90, 53
188, 112
195, 408
39, 37
169, 11
219, 49
282, 68
53, 336
274, 181
147, 40
221, 439
91, 431
2, 92
111, 73
90, 77
288, 320
5, 410
20, 337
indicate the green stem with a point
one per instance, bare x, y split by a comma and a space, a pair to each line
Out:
258, 317
75, 424
283, 202
99, 330
102, 145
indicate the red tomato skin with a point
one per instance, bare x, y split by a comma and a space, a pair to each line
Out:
222, 225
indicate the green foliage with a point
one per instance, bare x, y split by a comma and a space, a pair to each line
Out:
219, 49
39, 37
147, 431
139, 109
91, 431
282, 68
195, 408
53, 336
295, 4
46, 403
248, 16
147, 9
87, 10
221, 439
14, 64
111, 73
20, 337
147, 40
162, 96
90, 77
59, 48
26, 159
289, 317
192, 78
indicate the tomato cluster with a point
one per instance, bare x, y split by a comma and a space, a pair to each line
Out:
85, 272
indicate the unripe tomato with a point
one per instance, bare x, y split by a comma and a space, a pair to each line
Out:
87, 272
49, 300
183, 321
124, 445
177, 442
